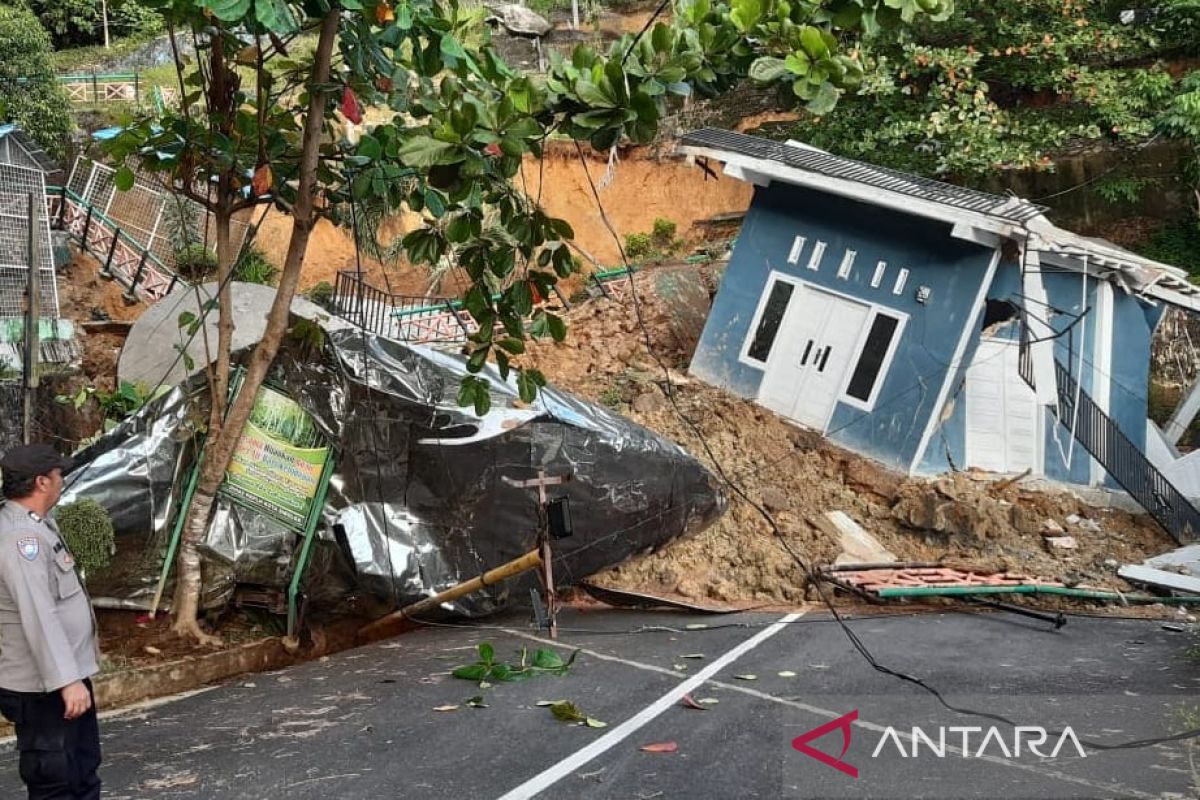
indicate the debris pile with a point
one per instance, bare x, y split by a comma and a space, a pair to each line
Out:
963, 519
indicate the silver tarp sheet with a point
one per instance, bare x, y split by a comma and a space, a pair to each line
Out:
418, 501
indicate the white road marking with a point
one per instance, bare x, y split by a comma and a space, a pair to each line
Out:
1107, 788
573, 762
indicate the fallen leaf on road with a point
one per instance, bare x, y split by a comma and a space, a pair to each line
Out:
709, 701
544, 703
477, 702
449, 707
787, 673
746, 677
688, 702
595, 723
680, 667
660, 747
693, 655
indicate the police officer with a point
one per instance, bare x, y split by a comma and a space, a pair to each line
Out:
48, 644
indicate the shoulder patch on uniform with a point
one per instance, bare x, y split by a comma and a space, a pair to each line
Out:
29, 548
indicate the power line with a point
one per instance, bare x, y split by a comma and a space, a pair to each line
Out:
813, 578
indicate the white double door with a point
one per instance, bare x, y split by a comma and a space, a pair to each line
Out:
815, 348
1004, 430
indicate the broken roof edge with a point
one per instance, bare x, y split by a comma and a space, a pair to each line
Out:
757, 160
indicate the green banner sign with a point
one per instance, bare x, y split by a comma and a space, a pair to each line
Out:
276, 467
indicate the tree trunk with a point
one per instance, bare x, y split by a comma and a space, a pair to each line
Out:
219, 448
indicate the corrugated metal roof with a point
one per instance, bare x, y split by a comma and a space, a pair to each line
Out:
1011, 209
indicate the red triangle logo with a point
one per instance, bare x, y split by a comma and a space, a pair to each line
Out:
842, 723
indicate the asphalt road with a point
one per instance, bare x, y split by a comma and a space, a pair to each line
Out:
362, 724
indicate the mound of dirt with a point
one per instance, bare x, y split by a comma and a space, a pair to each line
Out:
85, 296
963, 519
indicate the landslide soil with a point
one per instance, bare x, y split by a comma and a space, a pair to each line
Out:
966, 520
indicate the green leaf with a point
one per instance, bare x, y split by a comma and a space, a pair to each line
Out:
593, 95
521, 297
567, 712
813, 43
825, 100
557, 327
547, 659
797, 63
425, 151
511, 345
186, 318
471, 672
228, 10
124, 179
275, 15
487, 652
369, 148
478, 358
452, 49
746, 14
527, 386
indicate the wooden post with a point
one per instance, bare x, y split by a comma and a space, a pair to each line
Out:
541, 482
32, 316
526, 562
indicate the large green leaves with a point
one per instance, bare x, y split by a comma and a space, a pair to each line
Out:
425, 151
275, 15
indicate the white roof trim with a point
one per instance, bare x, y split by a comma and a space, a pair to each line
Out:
1142, 276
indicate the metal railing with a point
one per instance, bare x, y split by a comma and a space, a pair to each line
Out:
118, 87
407, 318
121, 256
1125, 461
1107, 443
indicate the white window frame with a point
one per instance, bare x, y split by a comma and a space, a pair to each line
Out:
880, 272
799, 285
797, 249
884, 367
847, 265
772, 277
818, 255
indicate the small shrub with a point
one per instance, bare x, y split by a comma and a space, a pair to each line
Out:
87, 528
612, 396
195, 262
322, 295
638, 245
663, 232
254, 267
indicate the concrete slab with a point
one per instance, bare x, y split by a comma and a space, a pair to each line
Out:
149, 355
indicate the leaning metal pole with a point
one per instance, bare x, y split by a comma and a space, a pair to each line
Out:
32, 314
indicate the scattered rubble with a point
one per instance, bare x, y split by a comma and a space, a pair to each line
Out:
963, 519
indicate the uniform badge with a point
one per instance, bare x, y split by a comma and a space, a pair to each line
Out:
29, 548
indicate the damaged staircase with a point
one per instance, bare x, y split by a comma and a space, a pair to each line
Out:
1120, 457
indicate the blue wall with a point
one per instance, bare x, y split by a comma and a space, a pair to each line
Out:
1133, 325
953, 270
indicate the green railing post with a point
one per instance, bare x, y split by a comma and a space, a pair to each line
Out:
131, 293
87, 226
176, 533
106, 270
95, 89
310, 531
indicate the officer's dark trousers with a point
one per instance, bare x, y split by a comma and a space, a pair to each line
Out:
59, 757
